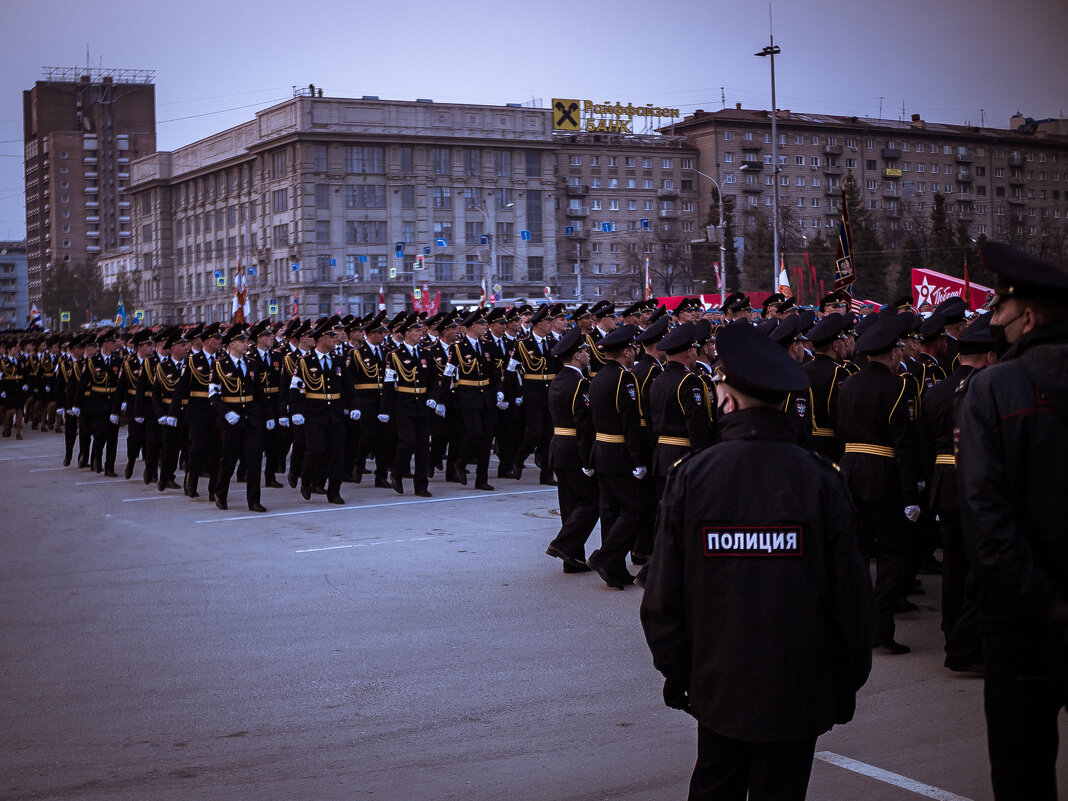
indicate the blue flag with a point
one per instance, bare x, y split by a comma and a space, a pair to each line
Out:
120, 314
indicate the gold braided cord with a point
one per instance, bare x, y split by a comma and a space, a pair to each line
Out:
311, 384
407, 375
232, 386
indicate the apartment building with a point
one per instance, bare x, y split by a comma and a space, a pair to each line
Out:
14, 295
82, 128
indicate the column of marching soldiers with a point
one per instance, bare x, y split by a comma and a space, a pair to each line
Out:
605, 402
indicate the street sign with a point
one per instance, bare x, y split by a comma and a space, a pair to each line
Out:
295, 266
139, 316
400, 250
483, 240
392, 273
496, 289
218, 273
272, 307
333, 262
363, 259
569, 230
440, 242
426, 250
220, 281
644, 222
606, 227
524, 235
64, 317
252, 272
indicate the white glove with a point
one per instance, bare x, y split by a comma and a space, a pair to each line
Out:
588, 472
298, 419
25, 388
500, 397
3, 394
114, 418
518, 401
75, 411
172, 422
139, 420
431, 404
450, 370
233, 418
383, 418
639, 473
440, 410
912, 513
270, 425
162, 421
502, 405
354, 414
59, 412
921, 486
284, 422
123, 407
390, 376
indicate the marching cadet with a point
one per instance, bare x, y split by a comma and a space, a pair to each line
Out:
192, 395
125, 398
320, 401
51, 398
236, 394
365, 368
301, 345
477, 395
926, 367
267, 365
876, 415
508, 433
98, 384
571, 452
702, 368
834, 303
445, 432
171, 415
953, 311
538, 368
689, 310
645, 370
410, 398
143, 411
757, 606
787, 335
604, 312
826, 374
620, 456
13, 386
678, 405
70, 370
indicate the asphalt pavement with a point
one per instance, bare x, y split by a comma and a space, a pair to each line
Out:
154, 647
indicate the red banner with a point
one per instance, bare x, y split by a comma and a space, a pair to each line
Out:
933, 287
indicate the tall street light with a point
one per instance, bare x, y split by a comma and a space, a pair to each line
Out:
772, 50
722, 272
487, 271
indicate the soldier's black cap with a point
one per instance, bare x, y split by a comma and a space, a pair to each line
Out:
910, 323
807, 319
448, 320
409, 322
661, 312
881, 336
292, 328
376, 324
833, 298
680, 339
476, 316
541, 314
653, 333
904, 302
952, 309
399, 318
689, 304
581, 312
569, 343
107, 335
193, 332
557, 311
142, 337
633, 309
259, 329
787, 306
1021, 275
331, 325
496, 315
348, 319
702, 332
603, 308
432, 321
512, 315
932, 328
787, 331
620, 338
756, 366
212, 331
827, 330
730, 299
774, 298
976, 337
526, 308
767, 327
236, 331
739, 304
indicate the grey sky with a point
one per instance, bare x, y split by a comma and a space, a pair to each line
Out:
218, 62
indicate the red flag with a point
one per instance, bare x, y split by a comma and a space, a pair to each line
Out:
381, 298
240, 308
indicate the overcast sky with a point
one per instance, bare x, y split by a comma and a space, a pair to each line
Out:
219, 61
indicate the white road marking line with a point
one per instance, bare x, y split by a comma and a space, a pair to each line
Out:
23, 458
332, 508
160, 497
361, 545
101, 481
49, 469
889, 778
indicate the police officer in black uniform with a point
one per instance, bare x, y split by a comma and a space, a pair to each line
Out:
757, 602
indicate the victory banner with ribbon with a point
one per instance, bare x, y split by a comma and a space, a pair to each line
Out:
929, 286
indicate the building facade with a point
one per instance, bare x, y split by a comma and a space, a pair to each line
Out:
14, 286
81, 131
1005, 184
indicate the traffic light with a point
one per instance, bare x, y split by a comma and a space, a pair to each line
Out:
419, 262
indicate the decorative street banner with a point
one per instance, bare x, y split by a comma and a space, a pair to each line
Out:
933, 287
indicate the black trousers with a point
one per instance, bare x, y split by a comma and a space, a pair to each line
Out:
578, 510
173, 440
478, 427
884, 534
203, 449
1023, 694
963, 644
732, 770
538, 435
86, 428
153, 440
135, 440
413, 437
243, 442
324, 454
70, 435
619, 504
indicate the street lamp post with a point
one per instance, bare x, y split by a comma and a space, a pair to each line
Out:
772, 50
487, 272
722, 272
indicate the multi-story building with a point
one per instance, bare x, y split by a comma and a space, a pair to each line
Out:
14, 295
327, 201
1002, 184
624, 199
82, 128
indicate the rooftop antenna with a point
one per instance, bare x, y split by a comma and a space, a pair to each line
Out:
902, 117
982, 118
722, 97
880, 107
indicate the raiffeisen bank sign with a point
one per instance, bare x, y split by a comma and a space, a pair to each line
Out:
585, 115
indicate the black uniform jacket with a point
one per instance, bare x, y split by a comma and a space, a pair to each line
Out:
569, 408
621, 444
410, 382
321, 396
935, 430
826, 377
1011, 474
477, 380
230, 391
678, 411
757, 596
876, 415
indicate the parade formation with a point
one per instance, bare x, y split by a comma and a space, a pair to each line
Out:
728, 454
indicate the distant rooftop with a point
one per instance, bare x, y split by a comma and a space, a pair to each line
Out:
97, 75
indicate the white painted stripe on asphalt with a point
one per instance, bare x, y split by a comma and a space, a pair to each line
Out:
889, 778
362, 545
49, 469
160, 497
101, 481
23, 458
332, 508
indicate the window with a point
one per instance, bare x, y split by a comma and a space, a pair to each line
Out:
595, 161
146, 233
613, 205
611, 161
369, 196
472, 161
279, 202
506, 268
534, 214
728, 136
407, 193
281, 235
473, 232
322, 231
728, 158
441, 196
533, 164
365, 160
535, 268
687, 164
443, 230
503, 163
365, 232
613, 183
869, 164
666, 164
505, 231
406, 160
472, 268
231, 214
632, 183
576, 161
799, 161
279, 169
647, 163
814, 161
